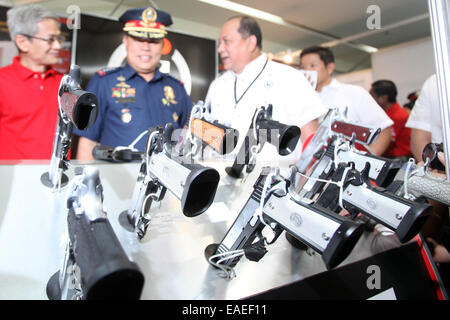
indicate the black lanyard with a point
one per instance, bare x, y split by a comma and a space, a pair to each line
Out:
235, 80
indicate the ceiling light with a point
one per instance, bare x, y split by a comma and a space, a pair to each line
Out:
288, 59
259, 14
233, 6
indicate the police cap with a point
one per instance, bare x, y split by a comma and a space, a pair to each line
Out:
147, 23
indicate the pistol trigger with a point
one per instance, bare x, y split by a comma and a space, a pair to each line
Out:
255, 251
365, 173
354, 212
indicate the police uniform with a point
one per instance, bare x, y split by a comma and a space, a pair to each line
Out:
128, 104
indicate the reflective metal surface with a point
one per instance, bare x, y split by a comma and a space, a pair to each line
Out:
33, 227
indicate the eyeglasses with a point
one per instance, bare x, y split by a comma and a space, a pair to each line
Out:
50, 40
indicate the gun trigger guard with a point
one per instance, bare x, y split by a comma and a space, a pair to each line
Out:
353, 213
257, 250
275, 236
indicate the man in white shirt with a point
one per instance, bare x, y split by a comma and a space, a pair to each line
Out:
361, 107
425, 118
251, 80
426, 126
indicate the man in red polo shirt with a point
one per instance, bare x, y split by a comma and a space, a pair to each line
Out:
29, 86
385, 94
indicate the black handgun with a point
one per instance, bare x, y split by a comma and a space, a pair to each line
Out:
263, 129
95, 264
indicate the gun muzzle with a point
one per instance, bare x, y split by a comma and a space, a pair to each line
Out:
106, 272
194, 185
100, 265
284, 137
80, 106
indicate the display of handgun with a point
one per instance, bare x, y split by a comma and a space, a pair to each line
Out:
193, 184
357, 194
263, 129
116, 154
222, 139
76, 107
335, 122
95, 265
335, 126
416, 181
271, 205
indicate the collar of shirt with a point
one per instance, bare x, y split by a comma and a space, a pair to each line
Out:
330, 91
128, 72
253, 67
248, 75
26, 73
334, 84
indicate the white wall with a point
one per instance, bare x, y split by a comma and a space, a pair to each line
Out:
362, 78
7, 52
408, 65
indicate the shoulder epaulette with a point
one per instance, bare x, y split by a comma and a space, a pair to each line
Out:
104, 71
173, 78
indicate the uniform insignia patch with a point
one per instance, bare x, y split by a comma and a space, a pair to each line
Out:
126, 115
169, 96
149, 15
122, 92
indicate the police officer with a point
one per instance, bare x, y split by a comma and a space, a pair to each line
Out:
138, 96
